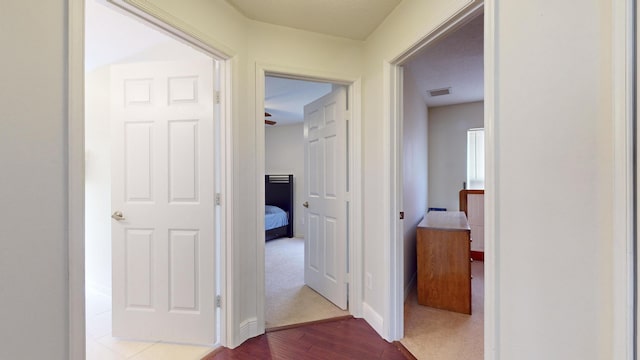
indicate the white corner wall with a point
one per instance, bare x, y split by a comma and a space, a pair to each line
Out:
284, 154
554, 170
34, 295
415, 142
448, 127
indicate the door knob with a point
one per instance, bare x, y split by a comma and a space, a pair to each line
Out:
306, 204
117, 215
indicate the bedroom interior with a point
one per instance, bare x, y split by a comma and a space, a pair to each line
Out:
435, 168
287, 299
278, 212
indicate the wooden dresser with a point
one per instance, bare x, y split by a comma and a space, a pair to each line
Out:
444, 263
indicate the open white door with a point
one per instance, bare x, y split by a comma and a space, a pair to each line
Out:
162, 173
325, 256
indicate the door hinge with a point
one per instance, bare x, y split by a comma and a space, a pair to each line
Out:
401, 215
218, 199
217, 97
218, 301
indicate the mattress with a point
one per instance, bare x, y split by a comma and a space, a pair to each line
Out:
274, 217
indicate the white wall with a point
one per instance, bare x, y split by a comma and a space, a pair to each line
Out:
448, 127
554, 174
33, 196
415, 141
284, 154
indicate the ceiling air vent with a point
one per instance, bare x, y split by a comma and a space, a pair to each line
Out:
439, 92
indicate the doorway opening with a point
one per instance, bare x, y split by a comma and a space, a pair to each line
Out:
347, 239
442, 114
289, 297
394, 175
152, 70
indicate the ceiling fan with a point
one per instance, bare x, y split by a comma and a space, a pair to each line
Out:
268, 122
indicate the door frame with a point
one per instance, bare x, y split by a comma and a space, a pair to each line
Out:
354, 248
393, 130
625, 186
625, 180
76, 160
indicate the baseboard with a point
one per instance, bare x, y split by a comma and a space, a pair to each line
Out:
410, 285
373, 318
248, 329
477, 255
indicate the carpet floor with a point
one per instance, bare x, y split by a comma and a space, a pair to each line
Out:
430, 333
444, 335
288, 300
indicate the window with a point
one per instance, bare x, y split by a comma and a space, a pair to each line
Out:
475, 159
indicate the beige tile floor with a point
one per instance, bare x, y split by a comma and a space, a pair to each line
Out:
102, 346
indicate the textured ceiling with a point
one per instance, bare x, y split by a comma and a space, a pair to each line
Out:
285, 98
353, 19
454, 62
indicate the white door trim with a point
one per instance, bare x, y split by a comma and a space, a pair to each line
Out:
393, 329
75, 180
355, 256
624, 344
76, 162
491, 236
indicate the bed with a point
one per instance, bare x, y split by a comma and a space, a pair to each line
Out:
278, 194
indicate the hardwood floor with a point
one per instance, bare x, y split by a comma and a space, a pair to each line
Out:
343, 338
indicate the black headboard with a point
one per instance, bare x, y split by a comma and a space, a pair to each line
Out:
278, 191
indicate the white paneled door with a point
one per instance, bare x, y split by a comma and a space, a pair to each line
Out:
162, 173
325, 258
